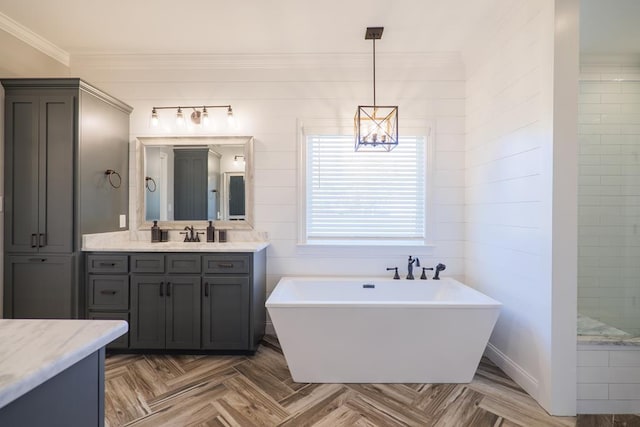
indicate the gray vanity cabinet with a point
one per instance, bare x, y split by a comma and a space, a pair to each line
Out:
225, 312
165, 308
165, 311
41, 286
55, 188
108, 291
181, 301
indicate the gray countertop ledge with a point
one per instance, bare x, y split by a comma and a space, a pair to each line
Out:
35, 350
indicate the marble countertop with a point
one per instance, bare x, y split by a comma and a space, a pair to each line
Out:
138, 246
35, 350
125, 241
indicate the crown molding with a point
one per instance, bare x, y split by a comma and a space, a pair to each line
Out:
34, 40
128, 61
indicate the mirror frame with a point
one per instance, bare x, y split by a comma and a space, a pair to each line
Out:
143, 141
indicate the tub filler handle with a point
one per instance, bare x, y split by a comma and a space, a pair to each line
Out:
424, 275
396, 276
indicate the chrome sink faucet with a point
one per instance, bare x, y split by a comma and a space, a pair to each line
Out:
410, 266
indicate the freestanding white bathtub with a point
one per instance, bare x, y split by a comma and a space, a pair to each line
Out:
372, 330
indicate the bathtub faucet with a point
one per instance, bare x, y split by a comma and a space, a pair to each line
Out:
410, 266
439, 268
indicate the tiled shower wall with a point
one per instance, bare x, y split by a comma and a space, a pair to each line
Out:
609, 193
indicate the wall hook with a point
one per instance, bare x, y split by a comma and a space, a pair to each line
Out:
149, 183
110, 173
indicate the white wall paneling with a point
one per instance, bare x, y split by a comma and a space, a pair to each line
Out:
270, 94
518, 128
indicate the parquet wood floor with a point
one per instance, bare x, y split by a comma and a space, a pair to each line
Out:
246, 391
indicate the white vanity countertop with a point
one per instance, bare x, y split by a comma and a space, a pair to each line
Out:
35, 350
138, 246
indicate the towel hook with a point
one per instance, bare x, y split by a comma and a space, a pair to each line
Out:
110, 173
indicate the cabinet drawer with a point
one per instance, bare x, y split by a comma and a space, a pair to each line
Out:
224, 264
183, 263
123, 340
108, 292
147, 263
107, 264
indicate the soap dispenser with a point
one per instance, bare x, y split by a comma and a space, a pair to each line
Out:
211, 232
155, 232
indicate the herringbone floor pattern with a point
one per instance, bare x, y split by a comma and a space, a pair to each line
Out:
196, 390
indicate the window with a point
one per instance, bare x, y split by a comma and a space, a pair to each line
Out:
353, 197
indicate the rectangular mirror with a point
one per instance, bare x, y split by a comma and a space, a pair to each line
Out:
191, 180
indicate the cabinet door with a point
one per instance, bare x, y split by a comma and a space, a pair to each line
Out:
21, 173
56, 153
39, 141
147, 311
225, 312
183, 312
40, 287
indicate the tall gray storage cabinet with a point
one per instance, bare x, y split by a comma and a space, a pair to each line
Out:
61, 136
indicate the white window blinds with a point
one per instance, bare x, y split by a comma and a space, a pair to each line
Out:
364, 195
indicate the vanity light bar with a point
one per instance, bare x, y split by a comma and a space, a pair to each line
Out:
199, 115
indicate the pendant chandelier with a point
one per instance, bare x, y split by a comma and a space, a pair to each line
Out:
375, 126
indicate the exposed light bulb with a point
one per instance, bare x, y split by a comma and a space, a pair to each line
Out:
230, 119
205, 117
154, 117
180, 117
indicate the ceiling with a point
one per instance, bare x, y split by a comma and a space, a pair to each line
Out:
249, 26
295, 26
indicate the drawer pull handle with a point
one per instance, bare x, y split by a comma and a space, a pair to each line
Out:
168, 289
34, 240
107, 264
42, 240
161, 291
37, 259
206, 289
108, 292
225, 264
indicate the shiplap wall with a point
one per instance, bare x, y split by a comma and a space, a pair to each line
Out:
509, 194
271, 95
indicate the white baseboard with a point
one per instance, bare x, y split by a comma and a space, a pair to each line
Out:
515, 371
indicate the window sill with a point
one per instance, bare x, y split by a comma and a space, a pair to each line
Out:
366, 243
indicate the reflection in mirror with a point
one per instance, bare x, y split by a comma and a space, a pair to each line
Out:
196, 179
